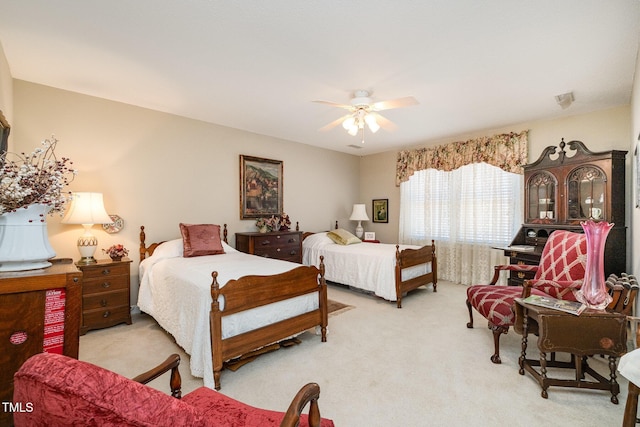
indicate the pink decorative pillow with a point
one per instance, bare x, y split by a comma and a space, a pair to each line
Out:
201, 239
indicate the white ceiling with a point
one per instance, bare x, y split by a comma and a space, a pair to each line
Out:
258, 65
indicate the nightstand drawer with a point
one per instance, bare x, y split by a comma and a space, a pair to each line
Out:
106, 317
284, 252
108, 283
107, 270
105, 300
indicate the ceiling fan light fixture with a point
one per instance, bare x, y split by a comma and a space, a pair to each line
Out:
353, 130
371, 122
349, 122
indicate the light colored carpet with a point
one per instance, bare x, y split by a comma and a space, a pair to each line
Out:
383, 366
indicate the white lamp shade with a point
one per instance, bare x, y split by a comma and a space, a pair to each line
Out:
86, 208
359, 213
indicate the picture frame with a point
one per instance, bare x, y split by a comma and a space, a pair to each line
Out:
369, 235
261, 183
4, 134
636, 167
380, 210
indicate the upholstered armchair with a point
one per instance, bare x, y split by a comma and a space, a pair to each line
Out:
559, 274
56, 390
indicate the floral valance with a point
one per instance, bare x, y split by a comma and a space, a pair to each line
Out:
508, 151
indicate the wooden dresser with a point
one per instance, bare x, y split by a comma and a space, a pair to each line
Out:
106, 297
39, 311
284, 245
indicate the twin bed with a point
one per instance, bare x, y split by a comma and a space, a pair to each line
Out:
386, 270
219, 307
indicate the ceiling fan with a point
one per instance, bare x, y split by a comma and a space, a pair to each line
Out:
363, 110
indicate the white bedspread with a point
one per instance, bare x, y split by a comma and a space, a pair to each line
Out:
176, 291
366, 266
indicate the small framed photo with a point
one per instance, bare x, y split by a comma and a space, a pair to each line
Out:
369, 235
380, 210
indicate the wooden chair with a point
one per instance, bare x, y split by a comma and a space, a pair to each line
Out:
63, 391
559, 274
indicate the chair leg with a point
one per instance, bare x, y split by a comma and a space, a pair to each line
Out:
470, 324
631, 408
497, 331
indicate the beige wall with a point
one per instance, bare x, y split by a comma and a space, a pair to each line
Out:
158, 170
6, 87
600, 131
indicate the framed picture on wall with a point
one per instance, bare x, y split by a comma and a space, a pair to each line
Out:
260, 187
380, 210
636, 167
4, 133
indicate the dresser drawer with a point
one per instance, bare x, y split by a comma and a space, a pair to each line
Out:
284, 252
276, 241
103, 271
284, 245
105, 300
103, 284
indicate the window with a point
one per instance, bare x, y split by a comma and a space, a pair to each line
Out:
475, 204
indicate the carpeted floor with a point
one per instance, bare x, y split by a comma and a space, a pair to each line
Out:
382, 366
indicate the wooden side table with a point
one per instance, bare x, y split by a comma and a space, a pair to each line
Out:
593, 332
105, 294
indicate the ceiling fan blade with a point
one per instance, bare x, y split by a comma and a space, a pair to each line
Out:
384, 123
394, 103
334, 123
334, 104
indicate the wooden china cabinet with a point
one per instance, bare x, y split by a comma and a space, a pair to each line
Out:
565, 187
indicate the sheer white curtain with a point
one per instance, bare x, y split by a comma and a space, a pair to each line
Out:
467, 211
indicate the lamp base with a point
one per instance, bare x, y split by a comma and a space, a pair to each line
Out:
359, 230
86, 260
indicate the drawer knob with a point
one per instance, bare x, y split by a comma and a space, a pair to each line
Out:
106, 314
278, 250
292, 253
265, 242
103, 302
106, 271
292, 240
521, 275
106, 285
520, 262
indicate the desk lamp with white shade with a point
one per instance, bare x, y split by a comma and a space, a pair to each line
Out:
359, 214
87, 209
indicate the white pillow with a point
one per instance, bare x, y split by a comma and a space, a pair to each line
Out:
168, 249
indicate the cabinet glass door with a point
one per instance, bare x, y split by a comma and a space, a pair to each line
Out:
586, 186
541, 198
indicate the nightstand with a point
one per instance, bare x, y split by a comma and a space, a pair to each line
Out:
105, 294
284, 245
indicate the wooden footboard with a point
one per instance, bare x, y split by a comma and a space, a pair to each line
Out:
250, 292
410, 258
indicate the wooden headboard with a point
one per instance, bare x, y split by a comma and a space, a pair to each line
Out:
146, 251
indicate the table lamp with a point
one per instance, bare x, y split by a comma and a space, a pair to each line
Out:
359, 214
87, 209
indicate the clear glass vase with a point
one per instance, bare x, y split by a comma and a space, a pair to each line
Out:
594, 293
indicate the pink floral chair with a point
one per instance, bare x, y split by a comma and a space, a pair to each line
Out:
56, 390
559, 274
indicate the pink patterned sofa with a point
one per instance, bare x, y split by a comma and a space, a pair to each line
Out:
559, 274
60, 391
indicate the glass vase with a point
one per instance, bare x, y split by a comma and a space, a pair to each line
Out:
594, 293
